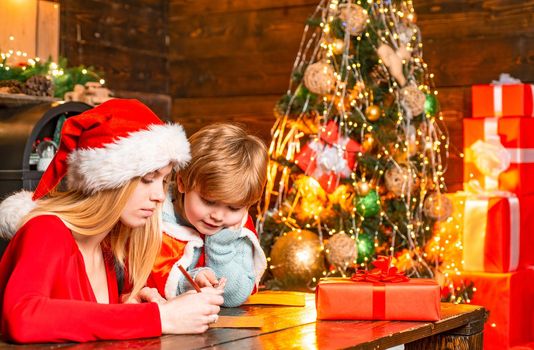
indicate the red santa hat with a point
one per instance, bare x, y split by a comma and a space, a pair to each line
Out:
103, 148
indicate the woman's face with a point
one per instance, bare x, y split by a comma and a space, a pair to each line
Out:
142, 203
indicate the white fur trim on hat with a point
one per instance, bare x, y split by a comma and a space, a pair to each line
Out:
114, 164
12, 210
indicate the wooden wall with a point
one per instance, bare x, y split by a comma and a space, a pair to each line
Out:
232, 59
125, 39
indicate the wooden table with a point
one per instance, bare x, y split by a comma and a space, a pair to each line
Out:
285, 327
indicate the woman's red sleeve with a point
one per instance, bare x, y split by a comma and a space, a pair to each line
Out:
46, 298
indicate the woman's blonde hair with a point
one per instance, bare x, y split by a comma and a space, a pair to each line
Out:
227, 165
92, 214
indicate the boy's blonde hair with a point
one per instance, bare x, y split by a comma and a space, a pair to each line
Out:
100, 212
227, 165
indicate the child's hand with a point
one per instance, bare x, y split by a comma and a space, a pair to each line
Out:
241, 224
221, 284
206, 278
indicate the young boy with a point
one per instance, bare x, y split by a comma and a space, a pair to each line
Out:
226, 175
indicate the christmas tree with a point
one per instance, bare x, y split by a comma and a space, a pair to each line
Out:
358, 150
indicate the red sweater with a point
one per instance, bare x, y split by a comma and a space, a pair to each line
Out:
46, 295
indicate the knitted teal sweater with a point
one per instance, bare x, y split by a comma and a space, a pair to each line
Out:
229, 253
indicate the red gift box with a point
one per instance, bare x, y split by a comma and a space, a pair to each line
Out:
496, 231
344, 299
508, 100
318, 157
531, 332
515, 135
509, 300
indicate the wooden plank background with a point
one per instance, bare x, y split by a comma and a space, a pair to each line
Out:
126, 39
231, 60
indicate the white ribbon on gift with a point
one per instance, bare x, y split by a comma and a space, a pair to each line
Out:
497, 101
504, 79
517, 155
475, 226
521, 155
492, 158
489, 155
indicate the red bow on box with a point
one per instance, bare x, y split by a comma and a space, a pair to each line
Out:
328, 158
379, 276
383, 272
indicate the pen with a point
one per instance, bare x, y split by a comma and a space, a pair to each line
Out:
188, 277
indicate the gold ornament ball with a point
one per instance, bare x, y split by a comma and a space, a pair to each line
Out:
342, 196
398, 180
437, 206
401, 157
362, 188
341, 251
373, 113
338, 46
319, 78
296, 258
368, 142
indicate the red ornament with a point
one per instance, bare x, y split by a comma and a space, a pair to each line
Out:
329, 158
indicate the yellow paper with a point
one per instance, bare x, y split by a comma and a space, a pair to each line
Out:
277, 298
238, 322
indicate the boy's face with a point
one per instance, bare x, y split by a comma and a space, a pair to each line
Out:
209, 216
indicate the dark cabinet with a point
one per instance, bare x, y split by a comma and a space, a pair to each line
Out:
20, 129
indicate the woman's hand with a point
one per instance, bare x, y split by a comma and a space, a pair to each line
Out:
145, 295
190, 312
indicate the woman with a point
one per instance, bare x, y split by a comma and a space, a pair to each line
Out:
57, 276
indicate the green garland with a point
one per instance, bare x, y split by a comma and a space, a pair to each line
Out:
64, 78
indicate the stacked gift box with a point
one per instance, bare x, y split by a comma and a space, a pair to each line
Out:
498, 210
